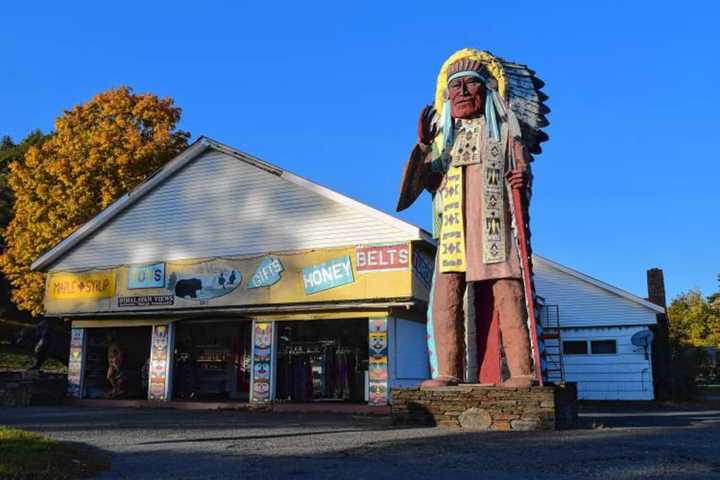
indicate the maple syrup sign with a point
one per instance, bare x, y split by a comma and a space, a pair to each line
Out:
69, 286
373, 258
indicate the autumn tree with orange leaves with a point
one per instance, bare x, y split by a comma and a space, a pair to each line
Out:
98, 151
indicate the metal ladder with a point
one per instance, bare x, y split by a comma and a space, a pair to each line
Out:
554, 369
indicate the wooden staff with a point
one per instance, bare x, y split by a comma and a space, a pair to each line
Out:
520, 224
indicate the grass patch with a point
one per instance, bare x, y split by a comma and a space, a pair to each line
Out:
26, 456
15, 359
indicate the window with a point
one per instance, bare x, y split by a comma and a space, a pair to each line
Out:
575, 347
603, 346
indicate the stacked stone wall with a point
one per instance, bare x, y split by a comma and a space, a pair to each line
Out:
480, 407
24, 389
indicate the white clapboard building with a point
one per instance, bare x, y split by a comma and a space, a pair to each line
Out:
208, 261
597, 322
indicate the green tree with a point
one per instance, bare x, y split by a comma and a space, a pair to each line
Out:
714, 299
98, 151
11, 152
695, 320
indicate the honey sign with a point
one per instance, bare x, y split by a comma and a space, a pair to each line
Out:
69, 286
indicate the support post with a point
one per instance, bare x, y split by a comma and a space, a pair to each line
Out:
162, 347
262, 377
76, 363
378, 361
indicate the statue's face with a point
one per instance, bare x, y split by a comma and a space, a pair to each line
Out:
467, 97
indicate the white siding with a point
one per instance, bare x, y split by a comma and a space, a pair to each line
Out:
626, 375
583, 304
219, 205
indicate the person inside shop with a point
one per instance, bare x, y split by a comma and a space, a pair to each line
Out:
115, 373
185, 369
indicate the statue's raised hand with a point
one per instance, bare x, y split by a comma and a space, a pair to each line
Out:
518, 179
417, 169
427, 126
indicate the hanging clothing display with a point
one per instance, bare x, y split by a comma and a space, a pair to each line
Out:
322, 361
306, 373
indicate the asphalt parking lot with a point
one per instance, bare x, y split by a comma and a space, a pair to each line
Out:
173, 444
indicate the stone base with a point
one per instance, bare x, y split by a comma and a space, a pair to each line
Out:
482, 407
25, 389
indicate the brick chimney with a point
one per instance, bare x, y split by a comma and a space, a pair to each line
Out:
656, 287
661, 359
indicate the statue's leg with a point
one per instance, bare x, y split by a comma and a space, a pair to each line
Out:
36, 362
509, 303
430, 329
40, 355
488, 334
447, 318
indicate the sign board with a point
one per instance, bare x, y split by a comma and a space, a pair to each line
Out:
423, 268
327, 275
146, 276
71, 286
374, 258
267, 274
320, 275
144, 300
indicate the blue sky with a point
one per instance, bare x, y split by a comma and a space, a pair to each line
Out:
331, 91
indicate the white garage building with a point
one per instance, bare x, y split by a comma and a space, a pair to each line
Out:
597, 322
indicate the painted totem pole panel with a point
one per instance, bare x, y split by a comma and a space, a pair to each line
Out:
160, 362
378, 362
261, 389
76, 363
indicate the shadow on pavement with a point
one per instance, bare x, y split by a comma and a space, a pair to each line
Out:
677, 454
73, 419
260, 437
669, 444
647, 419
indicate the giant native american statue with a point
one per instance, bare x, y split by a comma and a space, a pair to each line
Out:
473, 155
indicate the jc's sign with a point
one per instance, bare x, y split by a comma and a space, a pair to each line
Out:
146, 276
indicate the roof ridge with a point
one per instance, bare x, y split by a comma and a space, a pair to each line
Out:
323, 190
601, 284
190, 154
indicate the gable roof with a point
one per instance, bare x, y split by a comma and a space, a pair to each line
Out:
203, 145
200, 147
599, 284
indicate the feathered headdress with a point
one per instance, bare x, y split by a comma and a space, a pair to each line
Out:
512, 95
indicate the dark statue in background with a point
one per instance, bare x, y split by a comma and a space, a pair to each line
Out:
473, 156
43, 342
116, 374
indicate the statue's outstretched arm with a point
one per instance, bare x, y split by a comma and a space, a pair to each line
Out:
417, 174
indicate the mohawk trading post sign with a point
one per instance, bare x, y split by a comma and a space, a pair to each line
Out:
347, 273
